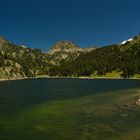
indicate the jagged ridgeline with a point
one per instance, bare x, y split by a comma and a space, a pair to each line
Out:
66, 58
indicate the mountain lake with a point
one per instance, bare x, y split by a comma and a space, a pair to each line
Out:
70, 109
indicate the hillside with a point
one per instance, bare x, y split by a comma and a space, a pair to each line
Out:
17, 61
123, 59
66, 58
65, 51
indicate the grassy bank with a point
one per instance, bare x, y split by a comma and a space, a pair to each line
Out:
111, 75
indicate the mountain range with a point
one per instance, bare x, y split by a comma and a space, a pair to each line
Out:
67, 59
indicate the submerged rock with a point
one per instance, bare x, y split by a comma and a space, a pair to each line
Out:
138, 101
129, 106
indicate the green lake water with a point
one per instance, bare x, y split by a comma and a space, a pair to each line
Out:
68, 109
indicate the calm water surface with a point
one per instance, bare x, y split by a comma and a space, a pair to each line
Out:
21, 93
21, 97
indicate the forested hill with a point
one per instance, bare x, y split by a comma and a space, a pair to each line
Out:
66, 59
121, 60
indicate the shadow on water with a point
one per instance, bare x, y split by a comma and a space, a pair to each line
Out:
15, 95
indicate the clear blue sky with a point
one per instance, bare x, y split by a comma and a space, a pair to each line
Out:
40, 23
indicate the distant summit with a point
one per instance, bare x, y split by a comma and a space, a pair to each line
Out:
63, 45
65, 51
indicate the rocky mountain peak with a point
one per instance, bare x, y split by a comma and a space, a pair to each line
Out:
65, 45
65, 51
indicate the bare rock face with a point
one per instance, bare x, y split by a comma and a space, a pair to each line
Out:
65, 51
64, 46
11, 70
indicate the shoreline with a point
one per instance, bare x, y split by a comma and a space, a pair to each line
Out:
14, 79
83, 78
